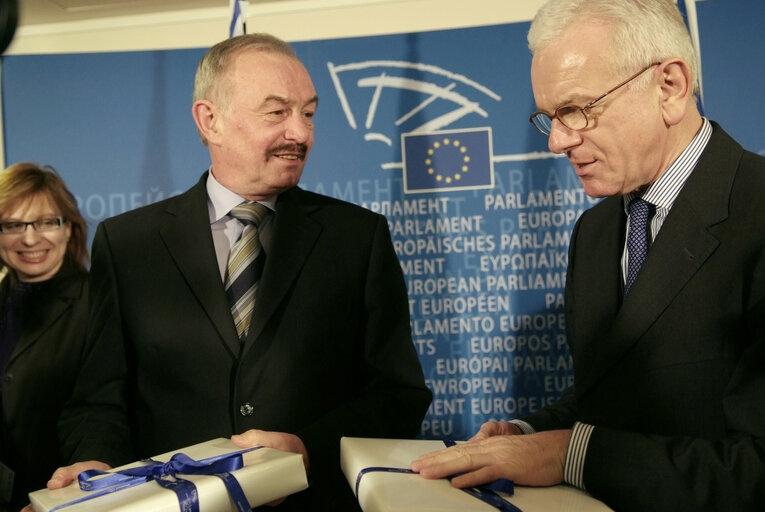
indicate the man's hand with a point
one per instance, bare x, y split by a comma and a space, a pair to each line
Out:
532, 459
66, 475
278, 440
496, 428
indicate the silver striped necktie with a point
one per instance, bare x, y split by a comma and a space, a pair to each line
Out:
245, 266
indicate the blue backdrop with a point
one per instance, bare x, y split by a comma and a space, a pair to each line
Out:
430, 129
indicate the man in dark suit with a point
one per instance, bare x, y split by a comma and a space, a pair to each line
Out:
669, 358
328, 351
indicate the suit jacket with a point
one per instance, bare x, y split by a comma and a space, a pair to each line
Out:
39, 379
673, 378
329, 351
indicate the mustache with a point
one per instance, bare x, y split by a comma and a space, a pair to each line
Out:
300, 149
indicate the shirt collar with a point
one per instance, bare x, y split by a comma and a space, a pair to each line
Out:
663, 192
220, 200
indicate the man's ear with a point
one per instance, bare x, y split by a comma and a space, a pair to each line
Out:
207, 116
676, 90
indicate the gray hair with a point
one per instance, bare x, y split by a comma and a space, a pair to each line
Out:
642, 31
209, 82
216, 60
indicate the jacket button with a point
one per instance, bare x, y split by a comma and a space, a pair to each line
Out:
246, 409
8, 378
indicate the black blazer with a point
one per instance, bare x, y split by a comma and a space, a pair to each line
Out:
329, 351
674, 378
39, 379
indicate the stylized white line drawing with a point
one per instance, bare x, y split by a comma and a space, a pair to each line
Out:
435, 91
378, 137
415, 85
421, 106
432, 91
521, 157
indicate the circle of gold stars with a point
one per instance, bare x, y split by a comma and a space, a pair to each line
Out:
446, 142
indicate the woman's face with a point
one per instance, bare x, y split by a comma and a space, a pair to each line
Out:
34, 255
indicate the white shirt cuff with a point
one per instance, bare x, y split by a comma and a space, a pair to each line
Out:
573, 467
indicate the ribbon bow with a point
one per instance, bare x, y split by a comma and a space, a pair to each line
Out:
100, 483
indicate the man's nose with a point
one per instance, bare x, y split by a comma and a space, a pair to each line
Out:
299, 129
562, 138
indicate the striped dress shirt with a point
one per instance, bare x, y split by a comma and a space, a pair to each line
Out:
662, 194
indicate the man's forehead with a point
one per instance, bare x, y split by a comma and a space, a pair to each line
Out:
263, 56
569, 70
271, 71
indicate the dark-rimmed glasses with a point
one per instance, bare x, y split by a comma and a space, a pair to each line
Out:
44, 224
573, 117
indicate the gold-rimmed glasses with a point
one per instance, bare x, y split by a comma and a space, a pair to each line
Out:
572, 116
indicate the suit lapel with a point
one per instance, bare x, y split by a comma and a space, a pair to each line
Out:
57, 301
682, 247
293, 235
187, 236
593, 301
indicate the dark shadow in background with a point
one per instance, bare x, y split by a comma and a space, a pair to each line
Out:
9, 18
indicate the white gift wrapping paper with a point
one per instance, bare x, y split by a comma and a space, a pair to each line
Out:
396, 492
267, 475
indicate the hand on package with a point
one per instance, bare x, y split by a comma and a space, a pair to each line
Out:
65, 475
532, 459
277, 440
496, 428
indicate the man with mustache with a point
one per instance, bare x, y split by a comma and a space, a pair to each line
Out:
326, 350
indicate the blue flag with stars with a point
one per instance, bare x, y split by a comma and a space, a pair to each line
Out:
447, 160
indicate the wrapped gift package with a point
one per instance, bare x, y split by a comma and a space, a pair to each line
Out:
266, 475
380, 490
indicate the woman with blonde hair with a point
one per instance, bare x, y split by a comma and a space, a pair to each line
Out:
43, 317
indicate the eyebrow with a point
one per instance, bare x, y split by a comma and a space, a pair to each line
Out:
284, 101
48, 215
576, 99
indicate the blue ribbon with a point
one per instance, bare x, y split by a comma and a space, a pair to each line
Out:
374, 469
165, 474
486, 493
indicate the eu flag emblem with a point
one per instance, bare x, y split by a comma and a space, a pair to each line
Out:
447, 160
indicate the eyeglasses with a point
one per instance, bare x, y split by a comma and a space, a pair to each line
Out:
573, 117
45, 224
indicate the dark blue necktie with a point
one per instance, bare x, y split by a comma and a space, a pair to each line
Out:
638, 239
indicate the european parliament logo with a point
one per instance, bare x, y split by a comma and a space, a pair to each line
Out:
447, 160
